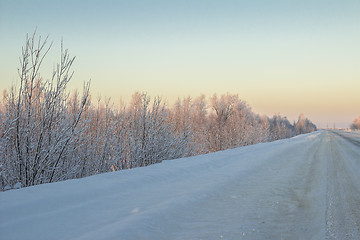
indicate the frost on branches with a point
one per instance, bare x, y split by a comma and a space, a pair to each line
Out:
356, 124
49, 135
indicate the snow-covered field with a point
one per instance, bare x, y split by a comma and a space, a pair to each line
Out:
306, 187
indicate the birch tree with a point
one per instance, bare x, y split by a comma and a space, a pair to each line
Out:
41, 130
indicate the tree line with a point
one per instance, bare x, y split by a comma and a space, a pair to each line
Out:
48, 135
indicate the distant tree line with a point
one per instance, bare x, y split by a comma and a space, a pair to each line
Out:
49, 135
355, 124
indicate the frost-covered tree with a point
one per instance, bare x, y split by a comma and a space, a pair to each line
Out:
280, 127
233, 124
39, 128
200, 124
355, 124
181, 117
304, 125
223, 108
151, 138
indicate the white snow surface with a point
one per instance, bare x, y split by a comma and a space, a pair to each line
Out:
306, 187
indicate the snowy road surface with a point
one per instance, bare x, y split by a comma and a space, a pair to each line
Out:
307, 187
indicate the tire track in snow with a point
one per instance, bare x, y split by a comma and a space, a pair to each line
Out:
343, 195
352, 140
304, 217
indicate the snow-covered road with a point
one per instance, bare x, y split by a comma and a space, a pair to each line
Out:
307, 187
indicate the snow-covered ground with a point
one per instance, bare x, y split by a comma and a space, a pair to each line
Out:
306, 187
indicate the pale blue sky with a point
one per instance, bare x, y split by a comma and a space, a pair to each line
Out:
285, 57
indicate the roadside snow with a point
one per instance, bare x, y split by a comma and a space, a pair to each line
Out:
280, 190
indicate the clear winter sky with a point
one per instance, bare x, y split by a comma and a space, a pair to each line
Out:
286, 57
